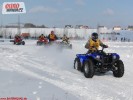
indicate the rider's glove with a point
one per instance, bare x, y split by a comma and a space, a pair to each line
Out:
105, 46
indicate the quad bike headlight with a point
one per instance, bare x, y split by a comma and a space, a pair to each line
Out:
114, 57
98, 57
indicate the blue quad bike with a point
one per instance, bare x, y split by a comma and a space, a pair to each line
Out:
99, 62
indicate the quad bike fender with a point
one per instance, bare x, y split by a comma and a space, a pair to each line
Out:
82, 57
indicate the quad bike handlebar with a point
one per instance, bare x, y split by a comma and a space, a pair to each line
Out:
103, 47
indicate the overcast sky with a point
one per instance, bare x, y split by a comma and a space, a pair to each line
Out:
74, 12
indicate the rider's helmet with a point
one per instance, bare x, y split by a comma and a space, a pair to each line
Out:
52, 32
64, 35
94, 36
17, 36
42, 35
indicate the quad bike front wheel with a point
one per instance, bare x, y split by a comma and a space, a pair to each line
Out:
77, 64
89, 69
119, 69
23, 43
39, 43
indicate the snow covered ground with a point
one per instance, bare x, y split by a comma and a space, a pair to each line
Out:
46, 73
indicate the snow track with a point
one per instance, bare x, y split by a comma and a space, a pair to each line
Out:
54, 67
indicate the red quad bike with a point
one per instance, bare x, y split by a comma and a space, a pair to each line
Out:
19, 41
42, 41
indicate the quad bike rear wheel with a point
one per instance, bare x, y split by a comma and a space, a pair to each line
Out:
77, 64
70, 46
14, 42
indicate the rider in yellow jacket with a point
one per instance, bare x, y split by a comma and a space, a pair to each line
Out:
52, 36
94, 43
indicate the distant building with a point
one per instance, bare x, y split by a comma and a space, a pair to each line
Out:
68, 26
116, 28
81, 27
29, 25
130, 28
102, 29
86, 27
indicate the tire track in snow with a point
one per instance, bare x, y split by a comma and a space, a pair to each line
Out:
70, 86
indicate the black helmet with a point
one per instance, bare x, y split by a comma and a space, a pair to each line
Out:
94, 36
64, 35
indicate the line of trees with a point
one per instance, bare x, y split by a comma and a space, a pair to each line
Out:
26, 25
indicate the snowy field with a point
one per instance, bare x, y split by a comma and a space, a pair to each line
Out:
46, 73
